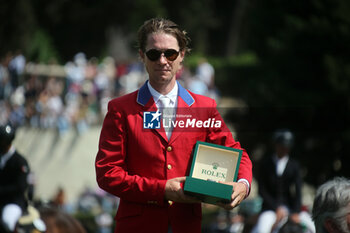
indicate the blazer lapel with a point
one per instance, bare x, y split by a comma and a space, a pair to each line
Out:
145, 99
184, 103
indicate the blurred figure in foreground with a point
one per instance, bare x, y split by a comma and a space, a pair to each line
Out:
31, 222
331, 208
57, 221
14, 170
280, 184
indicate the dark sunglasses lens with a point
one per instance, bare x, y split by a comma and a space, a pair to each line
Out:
153, 54
171, 54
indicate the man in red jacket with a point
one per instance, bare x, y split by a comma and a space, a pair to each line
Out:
144, 161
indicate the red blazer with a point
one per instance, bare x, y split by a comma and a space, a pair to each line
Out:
134, 163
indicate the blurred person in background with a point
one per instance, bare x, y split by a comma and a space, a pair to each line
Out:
16, 68
146, 168
280, 185
5, 84
331, 208
205, 73
197, 85
14, 171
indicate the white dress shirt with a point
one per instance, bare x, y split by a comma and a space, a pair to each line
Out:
172, 95
281, 164
171, 102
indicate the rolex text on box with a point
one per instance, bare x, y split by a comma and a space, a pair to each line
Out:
212, 164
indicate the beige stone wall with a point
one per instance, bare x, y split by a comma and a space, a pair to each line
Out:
65, 161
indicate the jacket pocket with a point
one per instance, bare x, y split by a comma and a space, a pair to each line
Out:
129, 209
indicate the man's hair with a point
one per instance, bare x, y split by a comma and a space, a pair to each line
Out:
162, 25
331, 202
283, 137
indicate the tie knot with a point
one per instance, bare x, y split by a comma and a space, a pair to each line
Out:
168, 112
165, 101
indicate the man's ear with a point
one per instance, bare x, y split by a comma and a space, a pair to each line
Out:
142, 55
182, 52
182, 55
330, 226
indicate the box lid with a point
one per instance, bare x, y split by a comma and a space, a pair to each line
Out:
215, 162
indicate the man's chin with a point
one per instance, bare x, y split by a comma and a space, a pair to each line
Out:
164, 78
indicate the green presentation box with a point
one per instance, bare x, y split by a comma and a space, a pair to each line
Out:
212, 164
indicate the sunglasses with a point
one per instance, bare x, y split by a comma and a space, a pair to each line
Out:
154, 54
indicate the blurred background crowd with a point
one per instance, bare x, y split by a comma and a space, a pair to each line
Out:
76, 94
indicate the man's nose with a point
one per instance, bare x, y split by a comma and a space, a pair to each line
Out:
163, 59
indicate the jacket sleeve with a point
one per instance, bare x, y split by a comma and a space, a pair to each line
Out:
265, 190
19, 184
223, 136
111, 166
296, 197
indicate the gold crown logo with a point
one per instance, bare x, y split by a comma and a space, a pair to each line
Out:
215, 166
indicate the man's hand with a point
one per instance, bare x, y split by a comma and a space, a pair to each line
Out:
281, 212
174, 191
295, 218
238, 195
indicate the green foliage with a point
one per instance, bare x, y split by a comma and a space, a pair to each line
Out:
247, 59
301, 81
41, 48
17, 22
146, 9
88, 221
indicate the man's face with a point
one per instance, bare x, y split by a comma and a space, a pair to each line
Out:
162, 71
281, 150
347, 220
342, 224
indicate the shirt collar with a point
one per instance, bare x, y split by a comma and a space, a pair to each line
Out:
172, 95
284, 159
144, 95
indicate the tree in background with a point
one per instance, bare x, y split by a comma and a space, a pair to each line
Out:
300, 81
